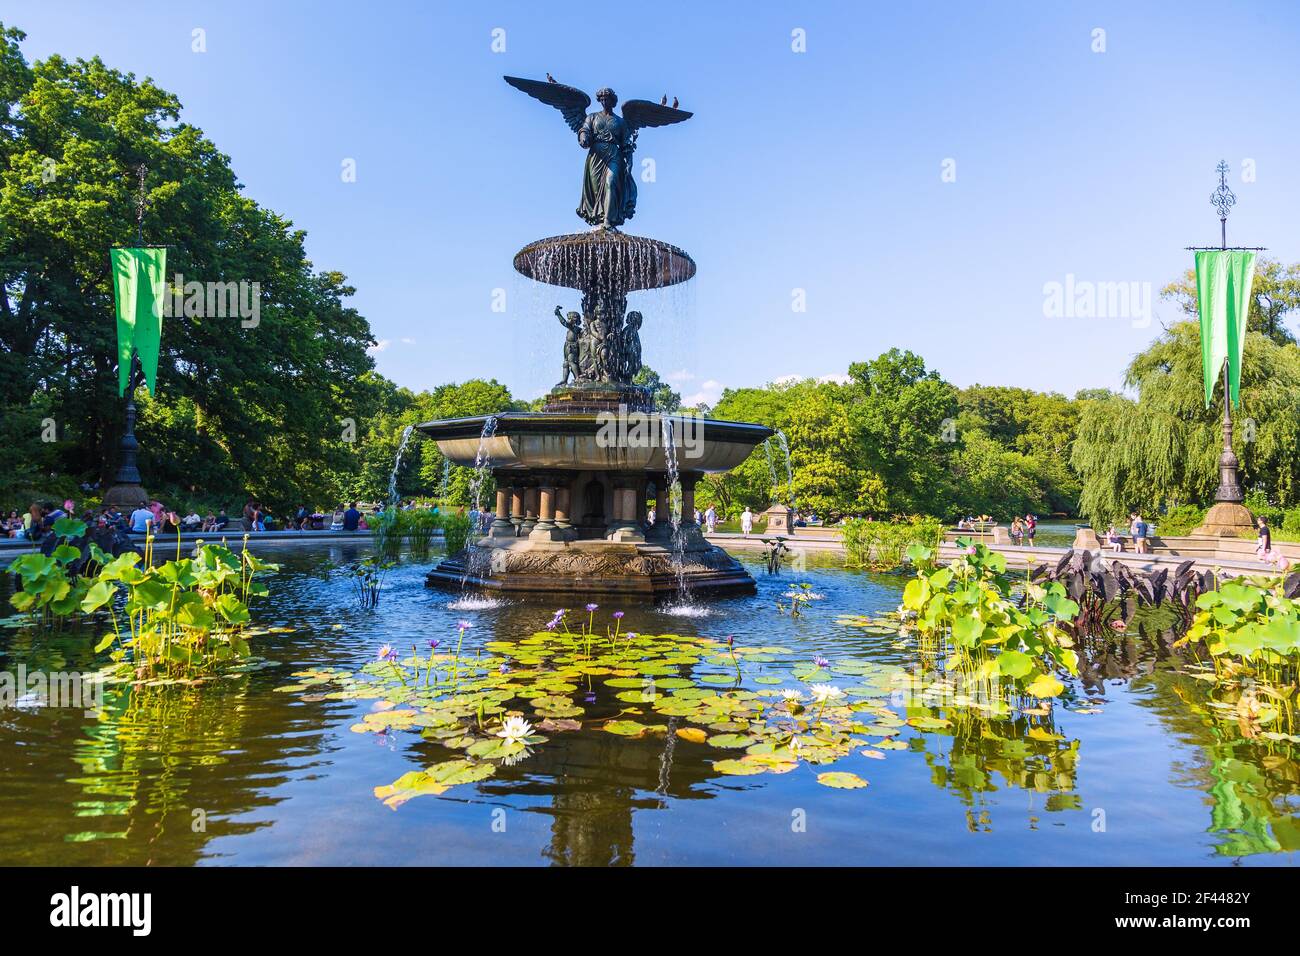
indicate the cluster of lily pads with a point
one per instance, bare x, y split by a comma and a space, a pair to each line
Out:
758, 709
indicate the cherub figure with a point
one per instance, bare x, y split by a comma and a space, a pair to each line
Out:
597, 329
631, 346
573, 323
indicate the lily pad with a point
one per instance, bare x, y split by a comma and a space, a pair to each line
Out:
841, 780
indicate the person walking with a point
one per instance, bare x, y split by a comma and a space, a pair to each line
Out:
711, 519
1031, 528
1264, 541
746, 521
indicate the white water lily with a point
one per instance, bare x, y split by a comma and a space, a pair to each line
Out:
824, 692
515, 730
790, 694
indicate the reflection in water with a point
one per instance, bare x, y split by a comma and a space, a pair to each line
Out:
280, 777
987, 753
1252, 782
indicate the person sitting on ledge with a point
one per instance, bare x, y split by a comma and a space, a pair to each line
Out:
141, 520
352, 518
1114, 540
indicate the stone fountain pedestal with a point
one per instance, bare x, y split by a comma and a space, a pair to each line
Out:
570, 514
573, 480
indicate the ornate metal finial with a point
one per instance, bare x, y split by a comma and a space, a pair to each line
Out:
1223, 198
141, 203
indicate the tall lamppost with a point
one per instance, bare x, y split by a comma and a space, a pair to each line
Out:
127, 492
1228, 516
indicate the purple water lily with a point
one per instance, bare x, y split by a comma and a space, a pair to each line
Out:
821, 662
592, 607
618, 615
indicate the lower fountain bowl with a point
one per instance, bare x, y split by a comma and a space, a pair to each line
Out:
571, 514
643, 570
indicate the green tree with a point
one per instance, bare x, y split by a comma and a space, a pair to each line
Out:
665, 399
269, 402
1161, 450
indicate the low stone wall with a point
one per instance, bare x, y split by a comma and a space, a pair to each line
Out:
1200, 547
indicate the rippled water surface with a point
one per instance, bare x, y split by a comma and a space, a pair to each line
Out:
235, 772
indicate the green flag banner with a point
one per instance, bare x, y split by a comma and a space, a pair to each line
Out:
1223, 280
139, 286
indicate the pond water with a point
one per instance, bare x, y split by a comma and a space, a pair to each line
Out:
1126, 769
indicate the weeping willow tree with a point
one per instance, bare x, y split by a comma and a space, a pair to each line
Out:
1163, 449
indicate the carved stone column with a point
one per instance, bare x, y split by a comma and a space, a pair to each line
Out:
688, 497
501, 526
530, 509
624, 526
546, 528
663, 504
563, 503
516, 504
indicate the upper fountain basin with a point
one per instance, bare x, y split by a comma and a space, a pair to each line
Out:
630, 442
604, 259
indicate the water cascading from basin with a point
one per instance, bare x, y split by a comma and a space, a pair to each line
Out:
476, 560
397, 464
676, 518
482, 465
789, 468
445, 484
771, 464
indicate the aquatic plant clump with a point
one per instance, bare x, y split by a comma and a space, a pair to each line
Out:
1251, 631
175, 620
883, 545
970, 622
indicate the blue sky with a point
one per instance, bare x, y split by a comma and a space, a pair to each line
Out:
820, 171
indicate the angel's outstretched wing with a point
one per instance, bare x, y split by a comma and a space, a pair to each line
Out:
642, 113
571, 102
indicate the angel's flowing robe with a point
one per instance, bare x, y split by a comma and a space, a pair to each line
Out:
608, 188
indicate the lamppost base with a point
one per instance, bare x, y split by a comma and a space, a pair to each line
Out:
780, 520
126, 497
1227, 519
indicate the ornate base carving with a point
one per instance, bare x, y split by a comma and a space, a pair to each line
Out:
125, 497
590, 567
1227, 519
599, 398
780, 520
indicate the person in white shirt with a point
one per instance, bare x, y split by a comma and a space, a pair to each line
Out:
746, 521
711, 518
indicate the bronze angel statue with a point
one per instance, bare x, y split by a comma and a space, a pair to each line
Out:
608, 185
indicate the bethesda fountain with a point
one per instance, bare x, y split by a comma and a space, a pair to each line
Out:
573, 480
